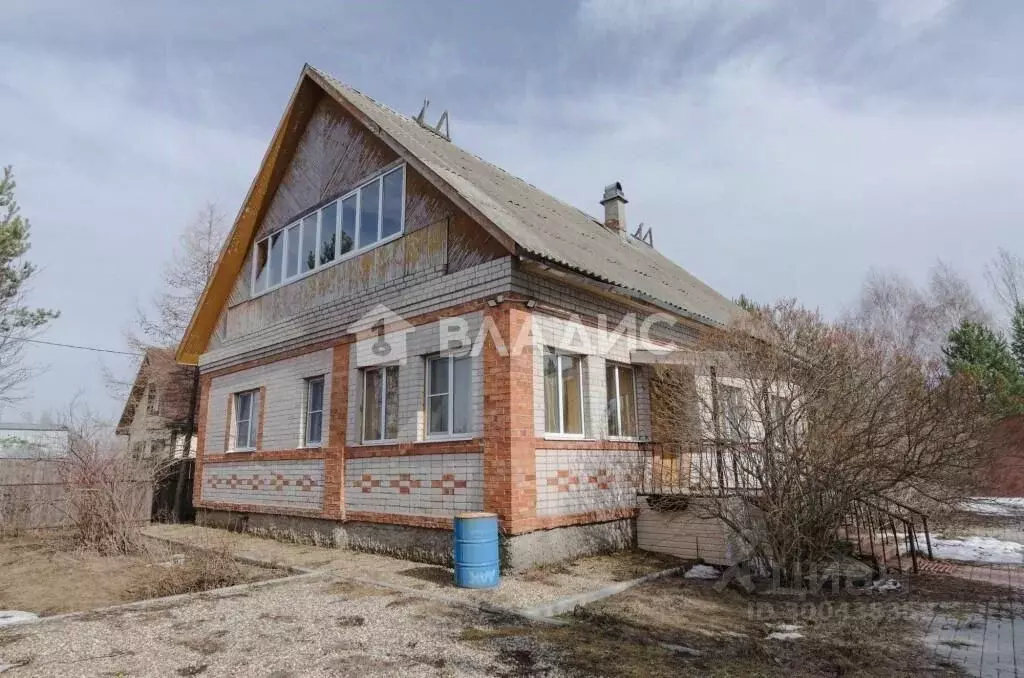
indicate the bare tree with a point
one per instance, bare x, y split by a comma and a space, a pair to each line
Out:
1005, 276
894, 309
184, 278
794, 420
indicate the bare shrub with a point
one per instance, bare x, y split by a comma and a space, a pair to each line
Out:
795, 420
200, 570
108, 494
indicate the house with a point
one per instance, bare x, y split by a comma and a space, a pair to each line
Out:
397, 331
156, 422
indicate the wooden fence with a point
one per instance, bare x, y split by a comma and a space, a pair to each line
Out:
33, 495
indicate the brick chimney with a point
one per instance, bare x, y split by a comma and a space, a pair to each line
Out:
614, 207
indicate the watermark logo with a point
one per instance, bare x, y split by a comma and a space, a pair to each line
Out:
380, 337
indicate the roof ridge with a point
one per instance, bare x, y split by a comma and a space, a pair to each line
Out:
539, 222
406, 118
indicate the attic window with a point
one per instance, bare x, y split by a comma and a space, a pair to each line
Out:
370, 215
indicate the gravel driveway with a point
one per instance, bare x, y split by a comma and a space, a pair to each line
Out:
306, 626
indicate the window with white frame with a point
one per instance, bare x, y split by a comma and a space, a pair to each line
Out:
359, 220
448, 395
563, 393
733, 413
620, 385
246, 417
380, 403
314, 433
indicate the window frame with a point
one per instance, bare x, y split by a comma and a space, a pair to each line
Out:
358, 247
307, 412
618, 401
253, 420
729, 430
383, 369
450, 394
152, 400
561, 414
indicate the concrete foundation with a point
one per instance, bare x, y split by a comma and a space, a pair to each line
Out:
429, 545
283, 528
566, 543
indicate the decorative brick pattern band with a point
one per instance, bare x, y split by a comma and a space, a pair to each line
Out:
279, 484
582, 481
432, 485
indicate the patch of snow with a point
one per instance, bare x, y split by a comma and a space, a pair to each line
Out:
9, 617
885, 585
785, 628
791, 635
978, 550
701, 572
995, 506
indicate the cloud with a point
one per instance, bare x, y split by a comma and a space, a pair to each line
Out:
625, 17
769, 186
109, 172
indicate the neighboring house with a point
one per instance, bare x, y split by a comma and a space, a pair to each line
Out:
33, 441
156, 422
398, 331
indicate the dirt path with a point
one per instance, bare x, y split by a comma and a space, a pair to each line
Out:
305, 627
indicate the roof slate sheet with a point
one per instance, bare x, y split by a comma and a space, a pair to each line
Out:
544, 226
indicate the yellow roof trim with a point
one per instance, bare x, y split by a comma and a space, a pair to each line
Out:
310, 87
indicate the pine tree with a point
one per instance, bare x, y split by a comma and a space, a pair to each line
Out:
747, 304
1017, 336
974, 349
16, 319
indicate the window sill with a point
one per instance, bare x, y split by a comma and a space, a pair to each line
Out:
444, 439
378, 443
241, 450
625, 439
567, 436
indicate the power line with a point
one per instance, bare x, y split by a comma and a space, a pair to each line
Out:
80, 348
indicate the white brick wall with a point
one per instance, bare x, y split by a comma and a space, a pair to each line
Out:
597, 346
432, 485
419, 342
424, 292
284, 410
277, 484
578, 481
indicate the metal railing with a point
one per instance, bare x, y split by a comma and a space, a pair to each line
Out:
877, 528
704, 468
885, 531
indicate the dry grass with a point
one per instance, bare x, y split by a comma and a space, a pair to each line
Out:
47, 575
197, 571
621, 566
650, 630
350, 590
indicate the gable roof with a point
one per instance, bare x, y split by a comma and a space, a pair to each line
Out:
173, 380
522, 217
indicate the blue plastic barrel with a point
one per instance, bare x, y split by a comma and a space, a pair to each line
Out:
476, 550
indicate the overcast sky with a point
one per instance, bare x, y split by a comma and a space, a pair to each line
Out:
776, 147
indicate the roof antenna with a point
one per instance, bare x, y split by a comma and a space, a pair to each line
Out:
441, 128
443, 121
646, 238
423, 111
